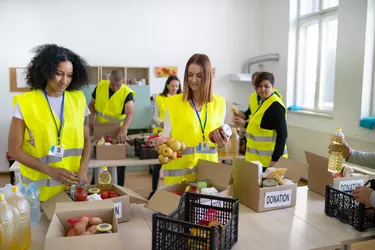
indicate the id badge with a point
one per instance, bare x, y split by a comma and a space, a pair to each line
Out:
203, 146
56, 151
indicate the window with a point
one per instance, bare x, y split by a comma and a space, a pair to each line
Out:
316, 54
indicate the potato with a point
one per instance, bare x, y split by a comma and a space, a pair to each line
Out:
95, 221
71, 232
84, 219
86, 233
80, 227
92, 229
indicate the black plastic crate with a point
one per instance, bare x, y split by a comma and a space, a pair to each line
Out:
182, 230
143, 150
342, 205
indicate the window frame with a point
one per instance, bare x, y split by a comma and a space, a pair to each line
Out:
318, 16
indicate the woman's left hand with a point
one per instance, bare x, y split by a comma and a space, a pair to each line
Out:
220, 138
272, 163
82, 175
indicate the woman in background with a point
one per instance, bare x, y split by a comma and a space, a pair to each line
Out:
49, 131
171, 88
266, 131
191, 116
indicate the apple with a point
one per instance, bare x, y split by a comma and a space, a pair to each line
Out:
175, 145
161, 148
163, 159
183, 146
167, 152
169, 141
173, 156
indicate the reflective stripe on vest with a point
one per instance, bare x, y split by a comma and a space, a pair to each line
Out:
67, 153
41, 183
192, 150
262, 152
259, 138
108, 117
177, 172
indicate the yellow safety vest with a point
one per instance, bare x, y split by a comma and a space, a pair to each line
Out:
109, 110
261, 142
39, 121
160, 102
253, 100
186, 128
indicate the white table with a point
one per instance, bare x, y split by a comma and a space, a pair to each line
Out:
269, 231
310, 208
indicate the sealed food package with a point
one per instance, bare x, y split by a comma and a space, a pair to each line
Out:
277, 174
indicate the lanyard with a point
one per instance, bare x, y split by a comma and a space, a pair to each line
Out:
200, 121
61, 115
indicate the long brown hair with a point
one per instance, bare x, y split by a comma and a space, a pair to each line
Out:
207, 84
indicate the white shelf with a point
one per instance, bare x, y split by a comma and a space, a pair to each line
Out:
240, 77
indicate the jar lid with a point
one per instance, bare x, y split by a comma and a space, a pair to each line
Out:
270, 183
104, 227
227, 130
94, 190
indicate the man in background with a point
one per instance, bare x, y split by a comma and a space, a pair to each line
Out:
113, 102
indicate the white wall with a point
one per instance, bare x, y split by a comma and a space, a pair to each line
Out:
310, 132
131, 33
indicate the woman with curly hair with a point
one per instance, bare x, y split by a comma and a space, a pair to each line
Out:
49, 133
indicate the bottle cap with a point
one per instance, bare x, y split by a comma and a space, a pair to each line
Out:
2, 197
270, 183
104, 168
104, 227
14, 189
339, 129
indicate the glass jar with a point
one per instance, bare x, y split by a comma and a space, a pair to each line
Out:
104, 228
94, 191
194, 188
81, 193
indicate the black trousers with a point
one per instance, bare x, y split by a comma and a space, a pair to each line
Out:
120, 176
155, 176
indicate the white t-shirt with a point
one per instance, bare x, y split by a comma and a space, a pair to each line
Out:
167, 132
56, 105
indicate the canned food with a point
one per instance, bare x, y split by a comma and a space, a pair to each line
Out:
104, 228
225, 128
94, 190
270, 183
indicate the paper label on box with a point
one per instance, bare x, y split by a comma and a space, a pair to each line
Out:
350, 184
278, 198
118, 209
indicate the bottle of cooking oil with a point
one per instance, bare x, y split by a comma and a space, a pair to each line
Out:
336, 159
234, 144
105, 179
19, 203
190, 175
8, 226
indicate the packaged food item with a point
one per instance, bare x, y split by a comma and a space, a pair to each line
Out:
209, 191
193, 188
72, 191
108, 138
235, 111
94, 197
104, 228
94, 191
80, 193
347, 171
101, 141
270, 183
202, 184
277, 174
225, 128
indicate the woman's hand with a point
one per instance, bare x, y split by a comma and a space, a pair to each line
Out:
363, 195
62, 175
336, 147
162, 124
82, 175
272, 163
220, 138
239, 121
157, 141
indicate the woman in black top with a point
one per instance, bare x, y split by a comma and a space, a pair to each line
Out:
273, 119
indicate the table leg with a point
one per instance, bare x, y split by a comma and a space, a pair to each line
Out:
348, 247
113, 172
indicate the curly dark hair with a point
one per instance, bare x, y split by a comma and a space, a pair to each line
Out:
43, 66
171, 78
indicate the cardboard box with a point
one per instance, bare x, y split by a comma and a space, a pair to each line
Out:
246, 185
108, 152
56, 235
319, 176
121, 204
218, 176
